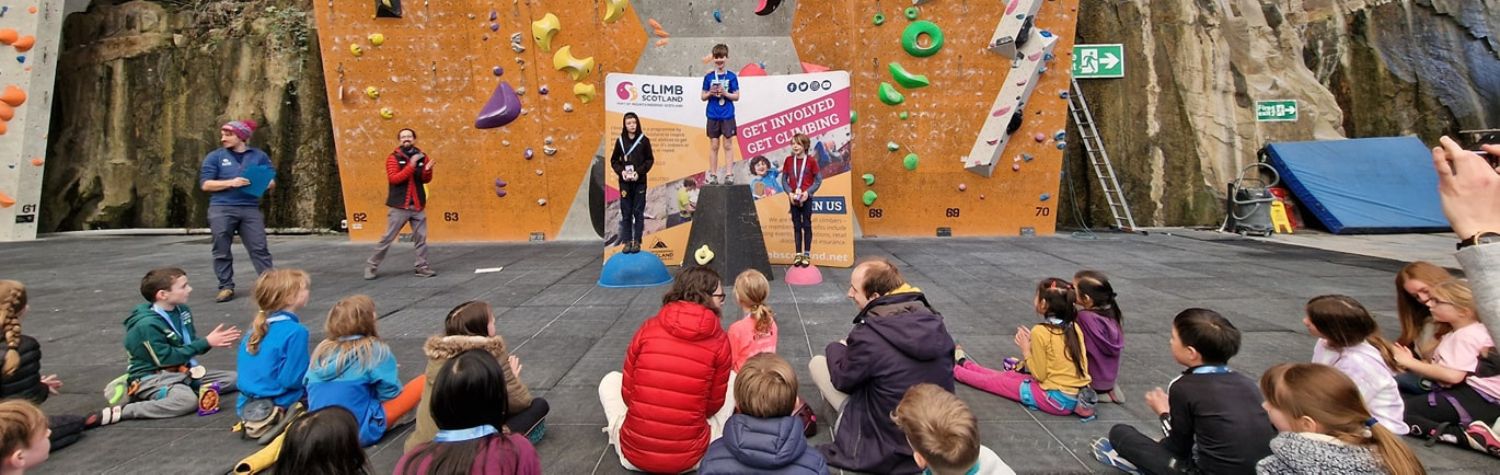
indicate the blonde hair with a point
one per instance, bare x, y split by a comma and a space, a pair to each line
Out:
939, 426
12, 303
350, 336
274, 290
1456, 292
751, 290
1328, 397
806, 143
20, 421
766, 386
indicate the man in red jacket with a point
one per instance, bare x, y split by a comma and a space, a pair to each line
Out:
407, 170
673, 398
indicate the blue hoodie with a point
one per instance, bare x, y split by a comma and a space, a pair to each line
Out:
357, 388
753, 445
276, 370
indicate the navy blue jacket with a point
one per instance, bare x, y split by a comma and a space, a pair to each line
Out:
222, 164
752, 445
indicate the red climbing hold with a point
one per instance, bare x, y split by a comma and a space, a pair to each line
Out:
767, 7
752, 69
503, 107
1001, 111
814, 68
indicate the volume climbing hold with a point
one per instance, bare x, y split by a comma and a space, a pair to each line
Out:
585, 92
576, 68
752, 70
503, 107
387, 113
913, 32
356, 50
911, 13
544, 29
910, 162
869, 179
372, 92
24, 43
879, 19
13, 96
614, 10
869, 197
905, 78
376, 39
6, 112
889, 95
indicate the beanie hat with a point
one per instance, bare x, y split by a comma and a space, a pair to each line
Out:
241, 128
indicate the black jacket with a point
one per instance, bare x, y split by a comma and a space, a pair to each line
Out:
26, 381
640, 157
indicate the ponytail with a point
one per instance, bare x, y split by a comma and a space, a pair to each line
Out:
1393, 452
12, 302
764, 317
1380, 343
1056, 296
751, 290
1093, 284
1327, 396
258, 329
274, 290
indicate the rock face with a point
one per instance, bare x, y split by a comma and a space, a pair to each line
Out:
141, 91
1181, 123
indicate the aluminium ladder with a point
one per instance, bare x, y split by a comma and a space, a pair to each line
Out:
1094, 147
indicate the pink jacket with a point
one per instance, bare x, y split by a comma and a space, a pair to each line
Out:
744, 343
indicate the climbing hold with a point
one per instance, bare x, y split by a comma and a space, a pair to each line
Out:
376, 39
494, 27
869, 197
1015, 167
21, 59
576, 68
372, 92
585, 92
963, 187
909, 38
31, 10
1046, 34
614, 10
903, 115
892, 146
497, 70
13, 96
356, 50
718, 16
1062, 144
906, 79
751, 70
567, 107
387, 113
8, 35
656, 28
1063, 94
24, 43
543, 90
703, 255
1026, 157
387, 8
661, 42
500, 188
910, 162
1040, 137
494, 15
981, 196
869, 179
503, 107
766, 7
853, 117
1047, 57
521, 91
879, 19
538, 172
549, 150
1060, 135
911, 13
6, 201
37, 162
4, 128
541, 202
544, 29
814, 68
889, 95
6, 113
529, 153
505, 143
515, 43
1045, 196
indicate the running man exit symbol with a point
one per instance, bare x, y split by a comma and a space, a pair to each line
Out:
1098, 61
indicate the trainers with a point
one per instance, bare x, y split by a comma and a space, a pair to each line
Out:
959, 355
713, 179
1116, 396
225, 295
369, 272
425, 271
1087, 399
1482, 437
1105, 454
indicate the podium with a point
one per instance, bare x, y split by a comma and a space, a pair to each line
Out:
727, 222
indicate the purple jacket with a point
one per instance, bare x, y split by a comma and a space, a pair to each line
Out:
898, 341
509, 454
1103, 340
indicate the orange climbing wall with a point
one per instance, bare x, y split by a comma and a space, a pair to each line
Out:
944, 118
433, 72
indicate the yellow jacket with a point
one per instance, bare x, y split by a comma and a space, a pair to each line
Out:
1049, 363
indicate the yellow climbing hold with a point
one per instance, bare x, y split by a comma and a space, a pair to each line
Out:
372, 92
544, 29
585, 92
703, 255
614, 10
377, 39
356, 49
387, 113
576, 68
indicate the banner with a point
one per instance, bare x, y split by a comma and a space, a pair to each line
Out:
771, 110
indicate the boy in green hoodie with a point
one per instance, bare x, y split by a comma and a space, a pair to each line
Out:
164, 374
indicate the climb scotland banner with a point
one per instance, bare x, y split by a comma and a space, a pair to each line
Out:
771, 110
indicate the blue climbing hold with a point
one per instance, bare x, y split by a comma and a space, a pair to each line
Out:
1046, 34
3, 10
718, 16
21, 59
1046, 196
641, 269
498, 70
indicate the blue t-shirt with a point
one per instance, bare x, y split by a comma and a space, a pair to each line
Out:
224, 164
731, 84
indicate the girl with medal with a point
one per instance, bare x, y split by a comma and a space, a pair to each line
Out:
470, 407
800, 179
631, 161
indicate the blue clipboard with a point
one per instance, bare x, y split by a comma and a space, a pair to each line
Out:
260, 179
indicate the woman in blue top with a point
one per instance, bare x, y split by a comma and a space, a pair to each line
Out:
353, 369
273, 360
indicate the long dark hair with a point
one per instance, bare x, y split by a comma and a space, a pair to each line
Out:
1344, 322
639, 129
468, 318
1094, 285
322, 442
694, 284
469, 392
1056, 296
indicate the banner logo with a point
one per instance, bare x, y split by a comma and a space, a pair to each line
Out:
626, 91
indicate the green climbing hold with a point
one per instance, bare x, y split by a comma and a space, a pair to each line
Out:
853, 117
892, 146
917, 29
889, 95
910, 162
869, 197
879, 19
906, 79
869, 179
911, 13
903, 115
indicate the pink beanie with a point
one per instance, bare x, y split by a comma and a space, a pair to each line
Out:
241, 128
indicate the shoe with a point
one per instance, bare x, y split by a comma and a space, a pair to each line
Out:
425, 271
713, 180
225, 295
959, 356
1105, 454
635, 247
1438, 435
369, 272
729, 179
1116, 396
104, 417
1483, 438
808, 417
1087, 399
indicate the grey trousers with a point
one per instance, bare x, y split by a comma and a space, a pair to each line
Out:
225, 222
164, 395
396, 218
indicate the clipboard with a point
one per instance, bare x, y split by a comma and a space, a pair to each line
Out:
260, 179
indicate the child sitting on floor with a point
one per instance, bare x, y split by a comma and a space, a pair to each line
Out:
1053, 352
763, 437
273, 360
944, 435
1349, 340
1463, 403
1100, 319
1325, 427
353, 369
21, 376
469, 407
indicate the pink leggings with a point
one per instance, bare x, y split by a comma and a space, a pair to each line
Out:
1006, 384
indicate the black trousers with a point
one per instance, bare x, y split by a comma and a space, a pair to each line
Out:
523, 422
802, 225
632, 210
65, 430
1425, 412
1146, 454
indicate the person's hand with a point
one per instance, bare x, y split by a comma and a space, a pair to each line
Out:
1023, 339
515, 366
237, 182
844, 341
53, 384
1402, 355
222, 337
1156, 399
1469, 188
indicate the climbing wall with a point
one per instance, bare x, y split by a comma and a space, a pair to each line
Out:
936, 147
512, 163
29, 31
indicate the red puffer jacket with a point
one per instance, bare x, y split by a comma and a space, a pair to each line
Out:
676, 371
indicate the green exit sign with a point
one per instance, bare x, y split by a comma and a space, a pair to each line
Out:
1276, 111
1098, 61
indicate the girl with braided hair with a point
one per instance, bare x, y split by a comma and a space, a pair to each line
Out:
20, 374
